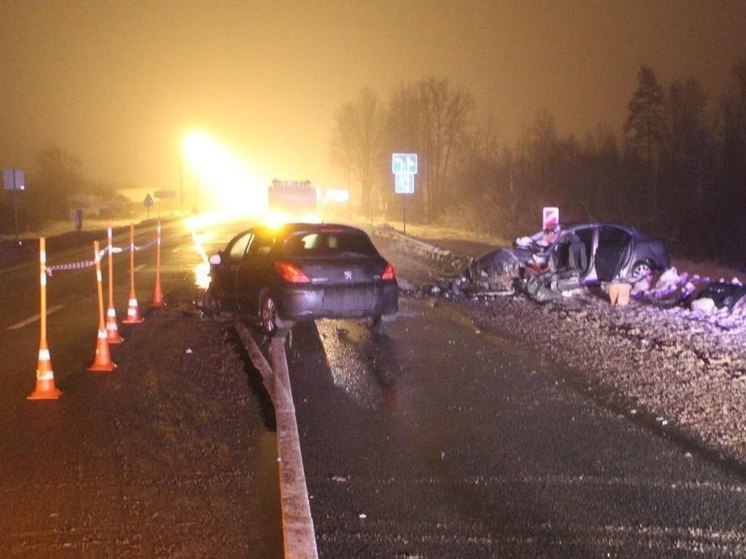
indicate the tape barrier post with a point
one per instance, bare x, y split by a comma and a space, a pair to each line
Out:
102, 361
45, 387
157, 292
133, 311
112, 329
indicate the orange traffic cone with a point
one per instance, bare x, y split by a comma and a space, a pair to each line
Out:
157, 295
133, 312
102, 361
112, 330
45, 388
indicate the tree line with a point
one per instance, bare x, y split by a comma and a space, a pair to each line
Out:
676, 169
53, 177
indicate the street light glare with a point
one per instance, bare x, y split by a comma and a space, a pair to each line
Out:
221, 180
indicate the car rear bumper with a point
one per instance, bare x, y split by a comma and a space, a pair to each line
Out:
311, 302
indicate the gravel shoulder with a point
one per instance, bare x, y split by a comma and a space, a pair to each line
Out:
679, 371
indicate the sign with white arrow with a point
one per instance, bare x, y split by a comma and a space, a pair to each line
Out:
404, 163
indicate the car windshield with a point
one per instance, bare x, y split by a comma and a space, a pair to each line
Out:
327, 243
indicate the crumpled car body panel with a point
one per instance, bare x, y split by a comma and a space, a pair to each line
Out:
577, 254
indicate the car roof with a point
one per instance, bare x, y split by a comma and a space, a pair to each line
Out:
573, 225
288, 229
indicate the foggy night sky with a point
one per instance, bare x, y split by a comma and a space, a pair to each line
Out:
117, 83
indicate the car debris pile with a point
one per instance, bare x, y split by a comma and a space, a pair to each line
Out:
570, 256
551, 266
577, 263
723, 301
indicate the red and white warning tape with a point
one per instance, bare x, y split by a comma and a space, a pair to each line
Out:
90, 263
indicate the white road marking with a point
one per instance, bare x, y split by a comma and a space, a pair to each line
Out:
32, 319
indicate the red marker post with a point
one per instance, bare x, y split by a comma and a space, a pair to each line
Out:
157, 293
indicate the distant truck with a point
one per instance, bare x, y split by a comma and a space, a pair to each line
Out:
292, 201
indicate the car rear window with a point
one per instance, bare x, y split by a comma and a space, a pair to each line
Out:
324, 243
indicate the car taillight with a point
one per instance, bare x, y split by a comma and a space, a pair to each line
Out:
291, 273
388, 273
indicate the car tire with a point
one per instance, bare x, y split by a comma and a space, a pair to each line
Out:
640, 271
377, 324
269, 318
374, 324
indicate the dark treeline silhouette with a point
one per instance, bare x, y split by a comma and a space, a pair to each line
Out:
54, 175
678, 168
53, 178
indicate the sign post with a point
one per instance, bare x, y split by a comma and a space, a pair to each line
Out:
15, 180
404, 167
148, 203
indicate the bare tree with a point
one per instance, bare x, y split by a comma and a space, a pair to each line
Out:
404, 119
444, 123
356, 144
57, 175
430, 119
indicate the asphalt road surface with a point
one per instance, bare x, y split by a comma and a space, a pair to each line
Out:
438, 441
435, 439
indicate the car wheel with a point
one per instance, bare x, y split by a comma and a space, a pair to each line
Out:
640, 270
377, 324
270, 320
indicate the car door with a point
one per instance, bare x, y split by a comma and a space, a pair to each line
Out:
613, 242
255, 272
223, 282
572, 251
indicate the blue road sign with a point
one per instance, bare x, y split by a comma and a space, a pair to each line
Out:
404, 183
404, 163
15, 179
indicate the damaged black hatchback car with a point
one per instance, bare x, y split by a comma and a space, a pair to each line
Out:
576, 254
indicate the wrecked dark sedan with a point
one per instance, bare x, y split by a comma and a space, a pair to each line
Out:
573, 255
302, 271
